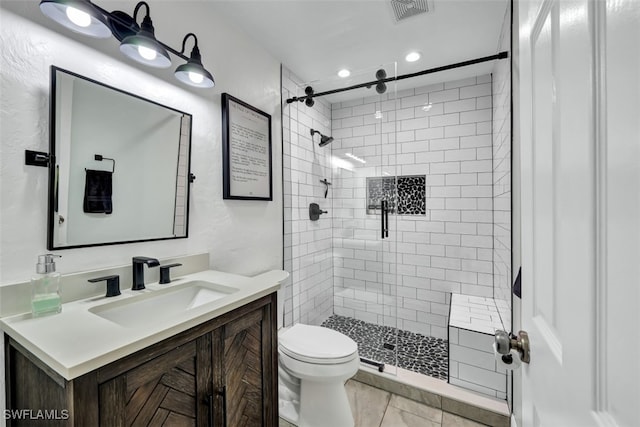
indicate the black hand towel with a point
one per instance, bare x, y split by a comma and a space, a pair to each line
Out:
97, 192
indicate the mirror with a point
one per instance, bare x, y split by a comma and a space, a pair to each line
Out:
119, 166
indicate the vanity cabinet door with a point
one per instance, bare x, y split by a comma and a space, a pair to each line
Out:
245, 371
162, 391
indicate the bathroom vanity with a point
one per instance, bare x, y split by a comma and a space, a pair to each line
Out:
212, 364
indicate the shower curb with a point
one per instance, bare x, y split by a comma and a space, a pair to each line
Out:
485, 410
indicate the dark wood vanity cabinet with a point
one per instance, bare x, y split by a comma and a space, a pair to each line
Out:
162, 390
220, 373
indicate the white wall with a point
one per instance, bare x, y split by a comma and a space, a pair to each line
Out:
308, 293
241, 236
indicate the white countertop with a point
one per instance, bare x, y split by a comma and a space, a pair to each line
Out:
76, 341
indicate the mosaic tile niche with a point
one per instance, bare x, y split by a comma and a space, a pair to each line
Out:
411, 194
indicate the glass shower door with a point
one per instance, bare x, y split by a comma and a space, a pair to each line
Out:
363, 204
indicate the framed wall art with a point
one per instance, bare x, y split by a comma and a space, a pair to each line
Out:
246, 151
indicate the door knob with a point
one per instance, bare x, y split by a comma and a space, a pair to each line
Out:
505, 342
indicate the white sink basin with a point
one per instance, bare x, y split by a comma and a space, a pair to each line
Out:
161, 304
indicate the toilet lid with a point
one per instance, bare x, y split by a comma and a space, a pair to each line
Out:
316, 342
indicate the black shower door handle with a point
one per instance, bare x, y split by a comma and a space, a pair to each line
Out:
384, 219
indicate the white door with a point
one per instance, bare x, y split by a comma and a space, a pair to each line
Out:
580, 138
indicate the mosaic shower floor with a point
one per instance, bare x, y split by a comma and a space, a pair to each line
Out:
416, 352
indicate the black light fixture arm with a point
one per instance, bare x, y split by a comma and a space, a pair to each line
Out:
184, 42
501, 55
132, 25
195, 52
135, 11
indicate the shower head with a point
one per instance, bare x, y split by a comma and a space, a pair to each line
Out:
324, 139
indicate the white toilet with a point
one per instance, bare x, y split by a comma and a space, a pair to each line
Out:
314, 363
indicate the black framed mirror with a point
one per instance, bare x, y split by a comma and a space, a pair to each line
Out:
119, 166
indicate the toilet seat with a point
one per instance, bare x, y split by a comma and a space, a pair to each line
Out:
317, 345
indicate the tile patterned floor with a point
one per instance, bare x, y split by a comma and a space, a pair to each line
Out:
416, 352
373, 407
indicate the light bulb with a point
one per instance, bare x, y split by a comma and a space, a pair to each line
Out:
196, 77
78, 17
146, 53
344, 73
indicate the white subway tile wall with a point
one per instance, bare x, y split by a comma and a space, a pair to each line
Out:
472, 364
442, 131
308, 293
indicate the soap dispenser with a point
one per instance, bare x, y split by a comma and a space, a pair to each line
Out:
45, 287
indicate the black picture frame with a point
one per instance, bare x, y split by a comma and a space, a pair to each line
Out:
246, 151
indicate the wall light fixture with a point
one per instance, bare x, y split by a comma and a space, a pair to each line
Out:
138, 42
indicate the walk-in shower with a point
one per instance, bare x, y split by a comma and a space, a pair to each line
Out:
410, 215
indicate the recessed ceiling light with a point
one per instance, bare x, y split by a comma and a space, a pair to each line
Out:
344, 73
412, 57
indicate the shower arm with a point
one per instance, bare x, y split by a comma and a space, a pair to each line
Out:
501, 55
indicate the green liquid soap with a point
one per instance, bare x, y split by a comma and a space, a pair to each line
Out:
44, 304
45, 287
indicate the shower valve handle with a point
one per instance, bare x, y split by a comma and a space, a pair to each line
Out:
315, 212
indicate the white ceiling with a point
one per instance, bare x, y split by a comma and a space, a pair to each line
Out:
316, 38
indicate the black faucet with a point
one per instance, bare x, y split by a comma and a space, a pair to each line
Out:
138, 270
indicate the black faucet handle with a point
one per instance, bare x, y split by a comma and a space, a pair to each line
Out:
113, 284
165, 277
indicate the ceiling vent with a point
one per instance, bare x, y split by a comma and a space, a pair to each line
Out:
403, 9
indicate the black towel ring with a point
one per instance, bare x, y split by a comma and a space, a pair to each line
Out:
100, 157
